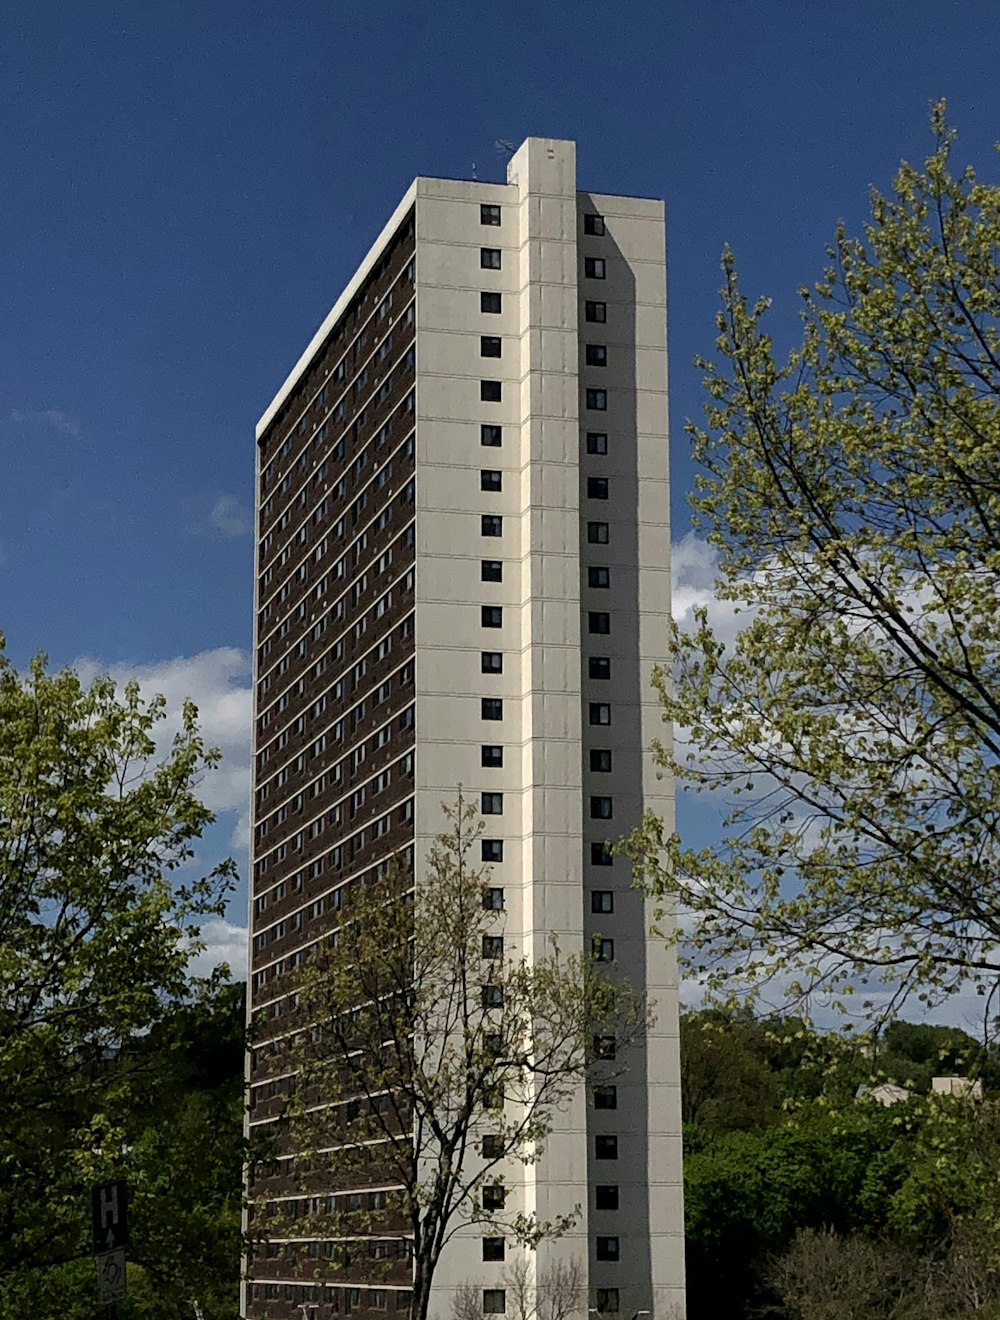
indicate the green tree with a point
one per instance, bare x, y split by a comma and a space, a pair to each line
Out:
853, 495
450, 1053
97, 930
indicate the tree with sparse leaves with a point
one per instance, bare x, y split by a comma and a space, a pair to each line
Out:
853, 495
436, 1057
97, 931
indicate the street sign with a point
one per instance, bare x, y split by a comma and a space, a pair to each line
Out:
109, 1216
110, 1277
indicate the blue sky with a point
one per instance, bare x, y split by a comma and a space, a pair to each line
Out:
187, 186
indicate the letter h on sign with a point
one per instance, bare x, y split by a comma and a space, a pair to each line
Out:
109, 1216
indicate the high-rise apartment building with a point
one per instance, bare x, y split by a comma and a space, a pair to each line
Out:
463, 577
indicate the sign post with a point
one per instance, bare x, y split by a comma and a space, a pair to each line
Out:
109, 1232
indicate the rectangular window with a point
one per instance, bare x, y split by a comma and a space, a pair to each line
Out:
494, 1299
597, 400
492, 756
490, 479
599, 622
600, 853
492, 946
597, 488
377, 1296
491, 570
494, 1196
493, 899
601, 808
490, 215
597, 442
491, 616
492, 525
600, 760
599, 666
605, 1147
602, 900
593, 223
598, 576
595, 311
489, 391
607, 1248
492, 662
490, 346
489, 302
493, 1147
603, 949
491, 804
606, 1097
493, 1248
596, 355
597, 533
594, 268
492, 708
492, 850
489, 258
490, 436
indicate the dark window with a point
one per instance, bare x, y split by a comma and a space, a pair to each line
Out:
492, 662
607, 1248
492, 850
606, 1097
493, 1147
596, 355
492, 946
599, 666
600, 760
597, 400
593, 268
598, 577
604, 950
492, 525
489, 391
492, 708
494, 1299
597, 442
600, 853
597, 533
491, 570
493, 1249
601, 808
490, 215
489, 302
490, 435
489, 258
491, 616
602, 900
595, 311
489, 346
494, 1196
605, 1147
492, 756
491, 804
490, 479
599, 621
493, 899
493, 998
593, 223
605, 1047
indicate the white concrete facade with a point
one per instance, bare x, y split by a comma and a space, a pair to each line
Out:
546, 643
584, 547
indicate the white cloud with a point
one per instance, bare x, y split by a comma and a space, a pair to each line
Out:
56, 418
218, 682
228, 517
224, 943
